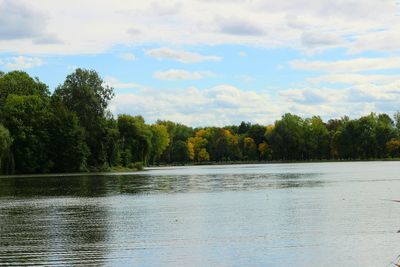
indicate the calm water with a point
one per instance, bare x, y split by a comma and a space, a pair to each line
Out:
322, 214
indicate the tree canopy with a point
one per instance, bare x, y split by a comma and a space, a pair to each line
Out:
72, 130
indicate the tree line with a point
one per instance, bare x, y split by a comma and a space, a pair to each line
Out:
72, 130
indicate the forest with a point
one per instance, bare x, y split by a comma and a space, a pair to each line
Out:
72, 130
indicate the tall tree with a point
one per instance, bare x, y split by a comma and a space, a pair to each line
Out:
85, 93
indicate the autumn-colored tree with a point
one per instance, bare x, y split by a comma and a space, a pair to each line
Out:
393, 147
197, 146
263, 150
190, 149
249, 149
203, 155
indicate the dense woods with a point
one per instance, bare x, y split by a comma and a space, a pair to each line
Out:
71, 130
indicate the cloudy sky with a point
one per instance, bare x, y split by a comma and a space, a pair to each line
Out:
204, 62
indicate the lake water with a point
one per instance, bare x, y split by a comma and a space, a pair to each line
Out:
310, 214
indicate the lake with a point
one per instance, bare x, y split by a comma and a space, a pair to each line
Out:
306, 214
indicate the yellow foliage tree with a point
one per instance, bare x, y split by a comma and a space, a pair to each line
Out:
393, 147
190, 148
249, 148
262, 150
197, 147
203, 155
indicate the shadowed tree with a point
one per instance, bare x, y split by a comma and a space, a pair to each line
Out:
5, 145
28, 119
287, 138
316, 138
68, 138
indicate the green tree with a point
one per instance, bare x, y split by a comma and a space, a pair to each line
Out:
5, 145
178, 134
180, 152
397, 122
68, 138
85, 93
257, 133
334, 126
287, 138
346, 139
135, 138
112, 142
160, 140
385, 131
20, 83
217, 143
316, 138
244, 127
28, 119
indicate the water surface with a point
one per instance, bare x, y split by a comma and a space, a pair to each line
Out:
314, 214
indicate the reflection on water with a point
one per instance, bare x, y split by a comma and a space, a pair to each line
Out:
103, 185
331, 214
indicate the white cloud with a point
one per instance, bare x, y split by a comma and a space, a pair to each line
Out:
21, 62
310, 96
19, 21
176, 74
239, 26
227, 104
179, 55
47, 39
219, 105
115, 83
127, 56
384, 40
351, 65
320, 40
92, 26
346, 78
355, 101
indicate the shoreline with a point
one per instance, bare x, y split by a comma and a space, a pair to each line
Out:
124, 171
269, 162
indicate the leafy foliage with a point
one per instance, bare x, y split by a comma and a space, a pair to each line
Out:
72, 130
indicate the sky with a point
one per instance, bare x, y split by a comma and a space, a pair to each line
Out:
214, 63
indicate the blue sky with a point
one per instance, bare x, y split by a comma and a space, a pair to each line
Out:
215, 62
